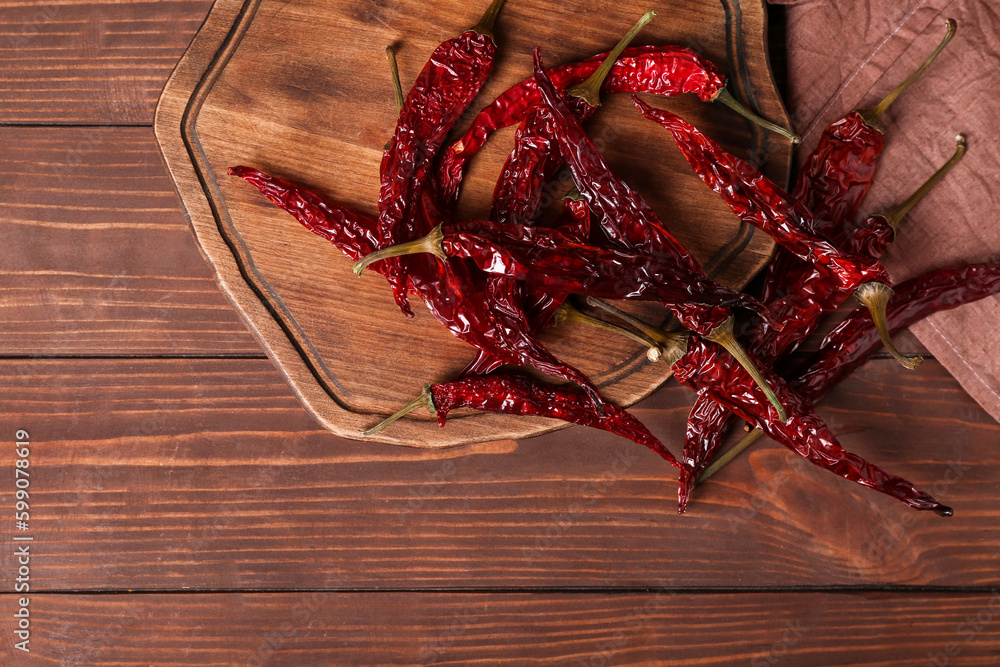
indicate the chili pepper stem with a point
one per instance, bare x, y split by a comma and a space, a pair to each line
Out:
873, 116
397, 88
672, 346
485, 25
567, 313
423, 400
875, 297
727, 99
895, 215
431, 243
723, 335
728, 457
590, 90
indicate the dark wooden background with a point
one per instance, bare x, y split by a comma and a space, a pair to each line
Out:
186, 510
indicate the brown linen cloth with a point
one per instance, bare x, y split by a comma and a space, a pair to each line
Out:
847, 54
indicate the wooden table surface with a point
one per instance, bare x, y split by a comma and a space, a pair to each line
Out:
184, 509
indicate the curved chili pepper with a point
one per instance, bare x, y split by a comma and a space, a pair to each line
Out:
631, 224
852, 343
836, 177
518, 395
446, 86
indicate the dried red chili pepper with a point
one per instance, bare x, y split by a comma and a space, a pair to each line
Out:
660, 70
855, 340
632, 225
801, 312
446, 86
835, 178
518, 395
550, 259
758, 201
355, 234
705, 369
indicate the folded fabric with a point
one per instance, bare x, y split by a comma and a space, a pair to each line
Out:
847, 54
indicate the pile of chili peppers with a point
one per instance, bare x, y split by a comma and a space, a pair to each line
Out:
497, 283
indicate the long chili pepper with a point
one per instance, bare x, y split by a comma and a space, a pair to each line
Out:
704, 370
801, 311
707, 369
446, 86
758, 201
550, 258
518, 395
353, 233
661, 70
630, 223
835, 178
852, 343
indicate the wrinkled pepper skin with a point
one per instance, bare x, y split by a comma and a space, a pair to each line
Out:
707, 369
445, 88
549, 258
625, 217
518, 395
662, 70
756, 200
356, 235
831, 184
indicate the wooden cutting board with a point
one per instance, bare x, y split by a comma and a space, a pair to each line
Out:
300, 89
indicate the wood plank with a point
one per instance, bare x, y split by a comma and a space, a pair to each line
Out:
207, 474
86, 61
364, 628
98, 257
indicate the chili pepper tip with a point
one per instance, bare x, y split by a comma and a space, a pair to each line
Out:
727, 99
723, 335
430, 243
943, 510
590, 90
873, 116
423, 400
875, 297
485, 25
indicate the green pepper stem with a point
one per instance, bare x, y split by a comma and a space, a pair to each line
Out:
397, 88
423, 400
567, 313
727, 98
873, 116
875, 297
895, 215
723, 335
672, 346
573, 194
485, 25
727, 458
590, 90
431, 243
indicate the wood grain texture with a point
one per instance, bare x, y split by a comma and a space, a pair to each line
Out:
259, 87
80, 61
206, 474
97, 257
668, 628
